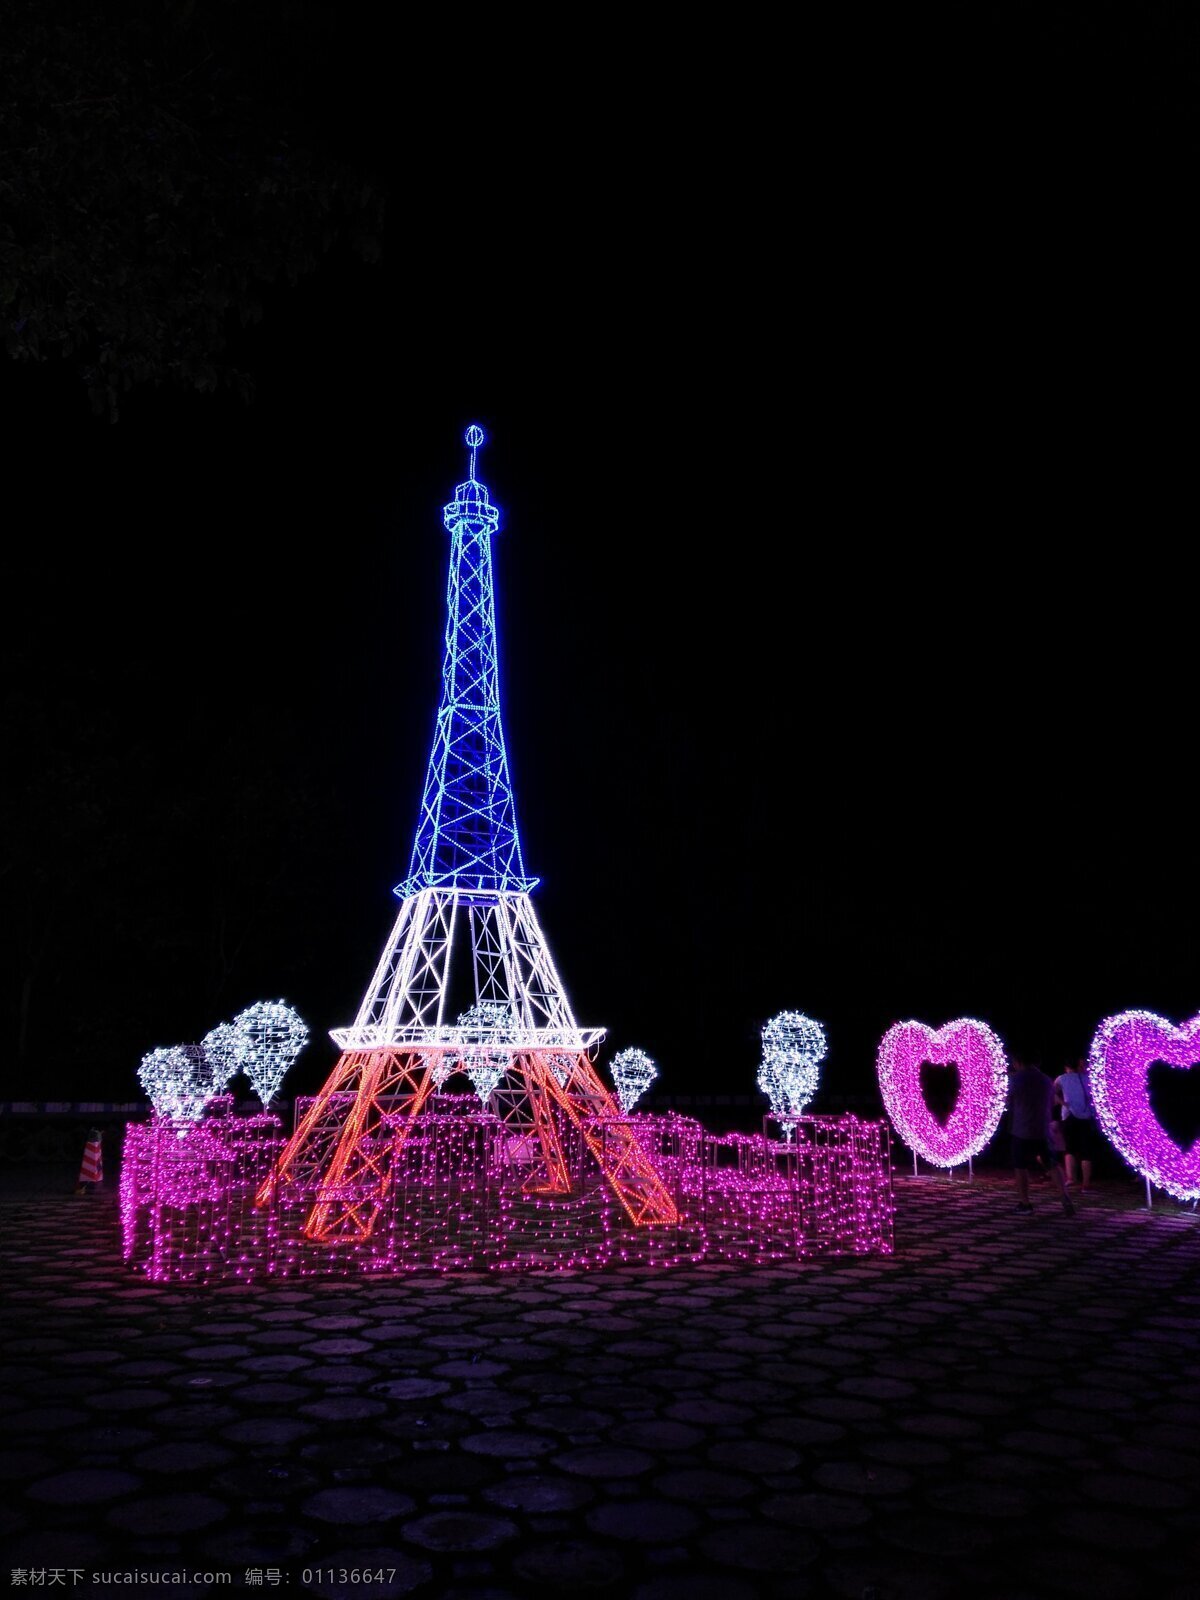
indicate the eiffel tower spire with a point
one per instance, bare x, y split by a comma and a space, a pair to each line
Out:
467, 833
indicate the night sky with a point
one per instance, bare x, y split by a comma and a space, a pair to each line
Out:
842, 419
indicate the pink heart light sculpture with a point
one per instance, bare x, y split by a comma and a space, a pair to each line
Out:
978, 1054
1124, 1049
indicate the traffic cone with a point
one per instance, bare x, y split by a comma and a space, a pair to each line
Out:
92, 1170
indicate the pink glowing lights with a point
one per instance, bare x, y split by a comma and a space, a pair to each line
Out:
458, 1200
1123, 1051
978, 1054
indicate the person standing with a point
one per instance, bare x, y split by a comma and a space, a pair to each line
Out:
1030, 1102
1079, 1123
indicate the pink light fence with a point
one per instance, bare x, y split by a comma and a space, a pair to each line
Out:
459, 1198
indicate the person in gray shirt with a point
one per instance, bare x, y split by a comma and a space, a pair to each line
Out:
1079, 1123
1030, 1099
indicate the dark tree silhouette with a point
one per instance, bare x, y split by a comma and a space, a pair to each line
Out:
146, 893
162, 164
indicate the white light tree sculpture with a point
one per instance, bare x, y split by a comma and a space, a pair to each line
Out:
489, 1026
793, 1047
226, 1048
632, 1074
180, 1080
271, 1034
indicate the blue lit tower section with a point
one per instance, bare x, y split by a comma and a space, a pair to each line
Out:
466, 992
467, 834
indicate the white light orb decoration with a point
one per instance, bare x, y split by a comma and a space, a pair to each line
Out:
793, 1047
180, 1081
484, 1076
446, 1066
632, 1074
487, 1026
272, 1035
562, 1066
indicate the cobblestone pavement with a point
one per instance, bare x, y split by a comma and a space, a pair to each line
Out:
1008, 1407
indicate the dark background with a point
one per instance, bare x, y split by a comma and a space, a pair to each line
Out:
840, 394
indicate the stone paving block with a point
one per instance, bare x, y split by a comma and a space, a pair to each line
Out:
171, 1514
364, 1504
563, 1565
756, 1547
704, 1486
1154, 1462
487, 1404
801, 1430
883, 1577
1164, 1435
344, 1408
1107, 1529
538, 1493
940, 1537
459, 1530
443, 1472
568, 1419
127, 1400
697, 1586
863, 1478
907, 1452
59, 1547
1130, 1489
332, 1375
83, 1487
264, 1544
23, 1466
212, 1378
1084, 1572
644, 1521
185, 1455
760, 1456
274, 1431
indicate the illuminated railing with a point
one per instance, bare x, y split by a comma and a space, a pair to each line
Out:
456, 1197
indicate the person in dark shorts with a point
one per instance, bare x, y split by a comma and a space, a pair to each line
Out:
1078, 1123
1030, 1101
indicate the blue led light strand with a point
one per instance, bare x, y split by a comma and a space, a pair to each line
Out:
467, 833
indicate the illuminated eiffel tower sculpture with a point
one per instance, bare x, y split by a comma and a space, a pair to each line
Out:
467, 932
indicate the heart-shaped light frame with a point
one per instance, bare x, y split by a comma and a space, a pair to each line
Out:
978, 1053
1123, 1051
